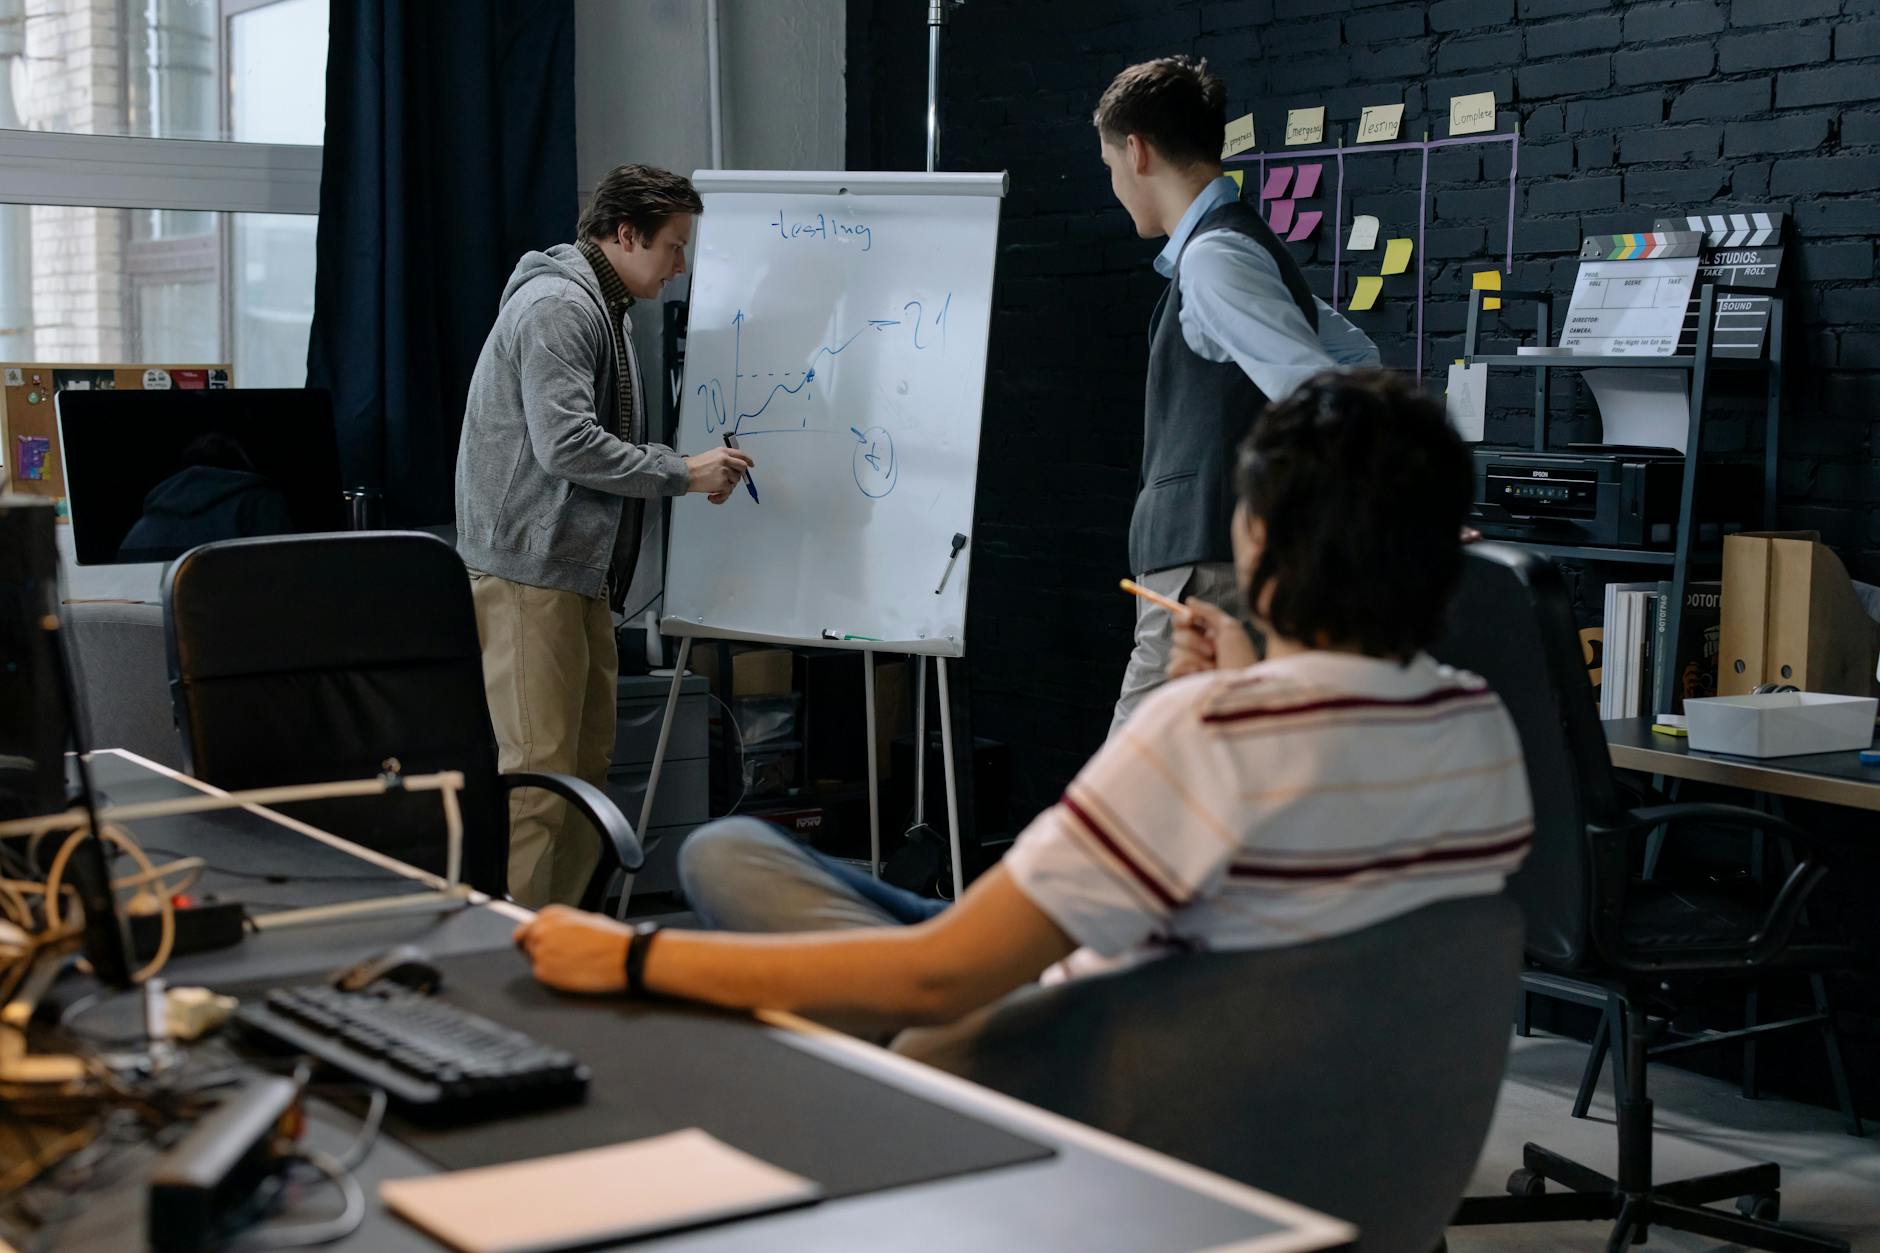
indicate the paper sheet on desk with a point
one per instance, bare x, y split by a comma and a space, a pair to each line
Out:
1642, 408
594, 1196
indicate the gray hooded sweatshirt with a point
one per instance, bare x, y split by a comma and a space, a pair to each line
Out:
543, 481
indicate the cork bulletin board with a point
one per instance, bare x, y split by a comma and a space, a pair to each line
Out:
29, 429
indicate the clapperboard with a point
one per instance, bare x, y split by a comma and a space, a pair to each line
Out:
1632, 293
1740, 250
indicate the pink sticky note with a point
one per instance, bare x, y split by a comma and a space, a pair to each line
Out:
1307, 223
1282, 216
1276, 181
1308, 181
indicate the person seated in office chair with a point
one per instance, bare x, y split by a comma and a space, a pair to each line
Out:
1341, 781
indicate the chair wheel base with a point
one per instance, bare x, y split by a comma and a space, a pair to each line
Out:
1764, 1207
1526, 1183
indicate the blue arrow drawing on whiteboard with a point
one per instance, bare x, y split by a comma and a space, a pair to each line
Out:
735, 415
737, 355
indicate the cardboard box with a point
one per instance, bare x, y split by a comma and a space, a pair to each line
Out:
763, 672
1790, 615
893, 706
1780, 724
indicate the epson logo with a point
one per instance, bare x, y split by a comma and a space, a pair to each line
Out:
1539, 474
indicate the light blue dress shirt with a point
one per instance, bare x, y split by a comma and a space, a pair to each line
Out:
1236, 307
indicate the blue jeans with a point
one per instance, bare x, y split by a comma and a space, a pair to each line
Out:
740, 874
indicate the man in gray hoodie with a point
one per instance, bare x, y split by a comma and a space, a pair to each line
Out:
553, 473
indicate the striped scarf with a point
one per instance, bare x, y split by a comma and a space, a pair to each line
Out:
614, 292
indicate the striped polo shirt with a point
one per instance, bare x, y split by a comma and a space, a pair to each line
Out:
1300, 798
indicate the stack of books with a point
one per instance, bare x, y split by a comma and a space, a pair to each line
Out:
1637, 652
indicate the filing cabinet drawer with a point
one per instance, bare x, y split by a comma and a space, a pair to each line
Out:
661, 872
637, 732
684, 788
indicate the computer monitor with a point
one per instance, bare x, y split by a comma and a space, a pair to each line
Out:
39, 719
151, 474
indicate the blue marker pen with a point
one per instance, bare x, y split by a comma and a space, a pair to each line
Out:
750, 484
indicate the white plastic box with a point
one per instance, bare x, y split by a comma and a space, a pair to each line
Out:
1780, 724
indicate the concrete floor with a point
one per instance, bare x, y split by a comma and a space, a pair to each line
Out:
1830, 1181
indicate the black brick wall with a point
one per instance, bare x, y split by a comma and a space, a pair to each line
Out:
1626, 110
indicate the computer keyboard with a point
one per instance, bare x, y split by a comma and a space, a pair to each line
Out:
431, 1058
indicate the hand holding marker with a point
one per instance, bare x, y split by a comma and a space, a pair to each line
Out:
750, 484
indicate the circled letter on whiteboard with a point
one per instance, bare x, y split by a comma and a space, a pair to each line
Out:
876, 469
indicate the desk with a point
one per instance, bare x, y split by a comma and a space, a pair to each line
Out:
1096, 1193
1835, 778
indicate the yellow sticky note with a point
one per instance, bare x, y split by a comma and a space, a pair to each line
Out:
1397, 255
1239, 136
1235, 175
1470, 115
1369, 285
1379, 122
1488, 280
1305, 126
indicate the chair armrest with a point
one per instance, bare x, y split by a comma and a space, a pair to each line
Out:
1772, 934
616, 832
1740, 816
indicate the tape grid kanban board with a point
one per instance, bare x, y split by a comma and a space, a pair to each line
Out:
1740, 250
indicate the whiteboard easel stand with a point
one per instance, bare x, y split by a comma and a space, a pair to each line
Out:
938, 12
874, 773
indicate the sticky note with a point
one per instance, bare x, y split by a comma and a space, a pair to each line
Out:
1235, 175
1397, 255
1308, 181
1369, 285
30, 464
1276, 183
1488, 280
1304, 225
1239, 136
1379, 123
1281, 218
1466, 400
1363, 233
1305, 126
1469, 115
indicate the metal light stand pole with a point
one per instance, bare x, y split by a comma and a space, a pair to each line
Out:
938, 11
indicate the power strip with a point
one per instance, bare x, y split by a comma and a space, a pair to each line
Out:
218, 1165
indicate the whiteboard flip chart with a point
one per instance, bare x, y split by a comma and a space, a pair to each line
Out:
837, 327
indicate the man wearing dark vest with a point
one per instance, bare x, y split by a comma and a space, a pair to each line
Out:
1236, 327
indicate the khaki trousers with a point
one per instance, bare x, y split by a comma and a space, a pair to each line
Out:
549, 668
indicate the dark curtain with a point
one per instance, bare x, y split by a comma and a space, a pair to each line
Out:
449, 153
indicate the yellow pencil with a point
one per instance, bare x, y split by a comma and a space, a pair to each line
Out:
1180, 612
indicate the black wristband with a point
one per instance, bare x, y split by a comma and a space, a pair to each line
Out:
639, 944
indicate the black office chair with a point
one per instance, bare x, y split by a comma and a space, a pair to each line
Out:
1356, 1075
312, 658
1592, 917
118, 658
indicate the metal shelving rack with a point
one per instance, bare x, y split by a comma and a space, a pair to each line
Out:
1700, 363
